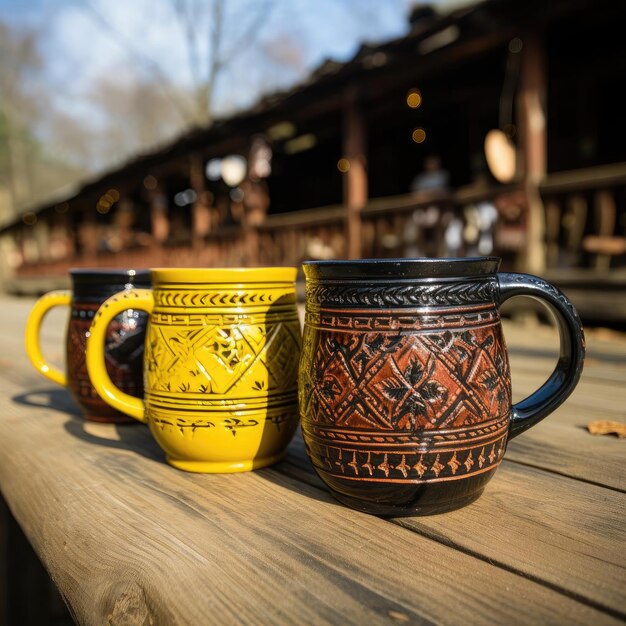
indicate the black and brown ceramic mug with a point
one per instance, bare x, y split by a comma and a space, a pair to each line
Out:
124, 344
405, 389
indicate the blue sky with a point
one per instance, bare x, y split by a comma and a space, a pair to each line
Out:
79, 51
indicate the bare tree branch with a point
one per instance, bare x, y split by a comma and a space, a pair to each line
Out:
188, 23
252, 31
150, 64
215, 62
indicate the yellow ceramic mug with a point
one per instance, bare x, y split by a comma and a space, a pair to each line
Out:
220, 365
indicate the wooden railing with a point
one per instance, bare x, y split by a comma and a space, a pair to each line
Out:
225, 248
291, 238
586, 217
407, 225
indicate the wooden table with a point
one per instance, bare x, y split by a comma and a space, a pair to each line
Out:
130, 540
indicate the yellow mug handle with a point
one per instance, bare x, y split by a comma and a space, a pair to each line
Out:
94, 352
31, 338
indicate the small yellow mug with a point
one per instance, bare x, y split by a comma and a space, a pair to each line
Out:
220, 365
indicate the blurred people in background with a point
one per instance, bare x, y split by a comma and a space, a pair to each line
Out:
453, 234
433, 178
480, 218
480, 221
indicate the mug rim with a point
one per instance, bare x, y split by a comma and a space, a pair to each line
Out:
421, 267
221, 275
104, 276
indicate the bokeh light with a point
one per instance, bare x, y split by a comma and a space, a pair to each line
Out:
234, 169
419, 135
300, 143
150, 182
281, 131
237, 194
183, 198
213, 169
414, 98
343, 165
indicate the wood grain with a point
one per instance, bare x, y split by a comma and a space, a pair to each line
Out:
533, 522
130, 540
573, 452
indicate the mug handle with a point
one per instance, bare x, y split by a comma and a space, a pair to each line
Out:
33, 327
569, 367
94, 351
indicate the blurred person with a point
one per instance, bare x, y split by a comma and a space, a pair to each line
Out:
432, 178
480, 221
453, 234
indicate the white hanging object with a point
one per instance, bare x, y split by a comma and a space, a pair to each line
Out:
501, 156
234, 169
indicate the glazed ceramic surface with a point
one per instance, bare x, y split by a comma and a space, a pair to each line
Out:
221, 365
124, 338
405, 389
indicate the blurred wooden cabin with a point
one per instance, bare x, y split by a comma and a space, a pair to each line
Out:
329, 164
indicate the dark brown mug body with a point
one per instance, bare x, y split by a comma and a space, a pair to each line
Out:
124, 346
405, 389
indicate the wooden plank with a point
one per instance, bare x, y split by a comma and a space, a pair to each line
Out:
105, 491
595, 395
536, 523
576, 416
544, 336
580, 179
550, 528
4, 565
567, 526
558, 449
130, 540
573, 452
562, 444
611, 373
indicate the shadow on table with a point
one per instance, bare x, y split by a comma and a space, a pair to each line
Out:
296, 473
131, 437
57, 398
121, 436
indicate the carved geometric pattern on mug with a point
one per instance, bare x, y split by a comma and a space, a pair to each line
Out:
221, 298
281, 419
122, 341
405, 381
200, 318
241, 360
406, 440
380, 321
407, 295
384, 466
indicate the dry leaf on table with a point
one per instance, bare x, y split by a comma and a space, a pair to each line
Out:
605, 427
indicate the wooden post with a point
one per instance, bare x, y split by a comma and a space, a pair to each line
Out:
553, 228
355, 186
123, 220
159, 216
605, 215
41, 232
531, 102
88, 231
201, 217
